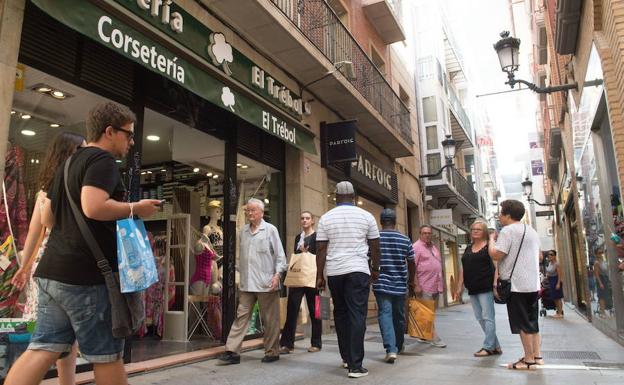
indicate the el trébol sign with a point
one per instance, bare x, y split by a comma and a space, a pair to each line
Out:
180, 25
105, 29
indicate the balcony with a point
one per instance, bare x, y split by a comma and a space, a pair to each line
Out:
452, 190
384, 15
308, 40
460, 123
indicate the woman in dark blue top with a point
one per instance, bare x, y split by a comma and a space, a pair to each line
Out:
306, 241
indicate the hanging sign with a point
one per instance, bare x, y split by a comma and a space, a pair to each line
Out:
340, 141
369, 172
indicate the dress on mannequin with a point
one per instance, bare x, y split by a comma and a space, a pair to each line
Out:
214, 231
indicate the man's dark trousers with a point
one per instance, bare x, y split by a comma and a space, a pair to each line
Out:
350, 296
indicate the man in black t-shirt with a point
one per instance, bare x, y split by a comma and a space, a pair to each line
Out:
73, 301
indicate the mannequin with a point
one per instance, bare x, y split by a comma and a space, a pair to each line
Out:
205, 280
215, 232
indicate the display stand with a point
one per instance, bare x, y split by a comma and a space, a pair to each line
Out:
178, 245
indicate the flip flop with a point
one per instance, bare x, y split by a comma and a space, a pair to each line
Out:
498, 351
484, 353
516, 365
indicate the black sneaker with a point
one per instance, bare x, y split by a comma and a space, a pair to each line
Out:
357, 373
267, 359
228, 358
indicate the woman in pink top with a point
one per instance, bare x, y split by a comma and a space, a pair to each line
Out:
428, 281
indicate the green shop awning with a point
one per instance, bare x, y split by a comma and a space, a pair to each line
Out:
101, 26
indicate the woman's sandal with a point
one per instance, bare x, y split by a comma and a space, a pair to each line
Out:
539, 360
484, 353
517, 365
498, 351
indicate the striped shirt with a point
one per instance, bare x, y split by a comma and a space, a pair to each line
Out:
347, 229
396, 248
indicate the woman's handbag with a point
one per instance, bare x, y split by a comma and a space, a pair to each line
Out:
503, 286
127, 310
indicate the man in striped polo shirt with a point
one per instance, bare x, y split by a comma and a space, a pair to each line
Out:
344, 236
397, 258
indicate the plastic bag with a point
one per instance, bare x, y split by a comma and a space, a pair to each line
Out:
137, 268
420, 318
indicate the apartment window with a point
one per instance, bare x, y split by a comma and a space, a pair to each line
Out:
434, 163
432, 137
378, 60
430, 113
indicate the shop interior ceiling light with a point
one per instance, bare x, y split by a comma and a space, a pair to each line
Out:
26, 116
12, 112
28, 132
209, 174
55, 125
244, 166
50, 91
196, 169
239, 164
153, 138
215, 176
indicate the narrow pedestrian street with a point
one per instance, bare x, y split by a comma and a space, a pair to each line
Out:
574, 351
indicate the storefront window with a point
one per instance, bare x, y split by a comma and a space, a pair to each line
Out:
184, 167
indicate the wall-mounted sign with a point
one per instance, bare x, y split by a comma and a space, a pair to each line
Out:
369, 172
537, 167
111, 32
213, 46
441, 217
339, 141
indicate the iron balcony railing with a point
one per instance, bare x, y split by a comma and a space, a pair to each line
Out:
322, 27
465, 189
459, 111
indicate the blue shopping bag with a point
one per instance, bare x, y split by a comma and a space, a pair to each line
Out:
137, 269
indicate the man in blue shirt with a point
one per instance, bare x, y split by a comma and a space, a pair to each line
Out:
397, 269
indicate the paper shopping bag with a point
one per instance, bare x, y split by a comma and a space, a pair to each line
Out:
420, 318
301, 270
137, 269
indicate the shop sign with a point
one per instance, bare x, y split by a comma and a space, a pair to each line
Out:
213, 46
340, 142
368, 171
105, 29
441, 217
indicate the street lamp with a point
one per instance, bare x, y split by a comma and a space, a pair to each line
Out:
527, 187
448, 148
508, 50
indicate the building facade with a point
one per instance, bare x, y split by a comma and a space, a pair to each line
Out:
233, 100
453, 197
576, 43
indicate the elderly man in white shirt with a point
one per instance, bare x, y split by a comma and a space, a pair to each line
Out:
262, 259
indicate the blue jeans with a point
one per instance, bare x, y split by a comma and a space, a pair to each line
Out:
391, 317
483, 306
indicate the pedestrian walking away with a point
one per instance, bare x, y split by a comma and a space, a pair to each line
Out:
517, 251
344, 237
477, 275
304, 242
428, 280
67, 275
262, 260
396, 264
